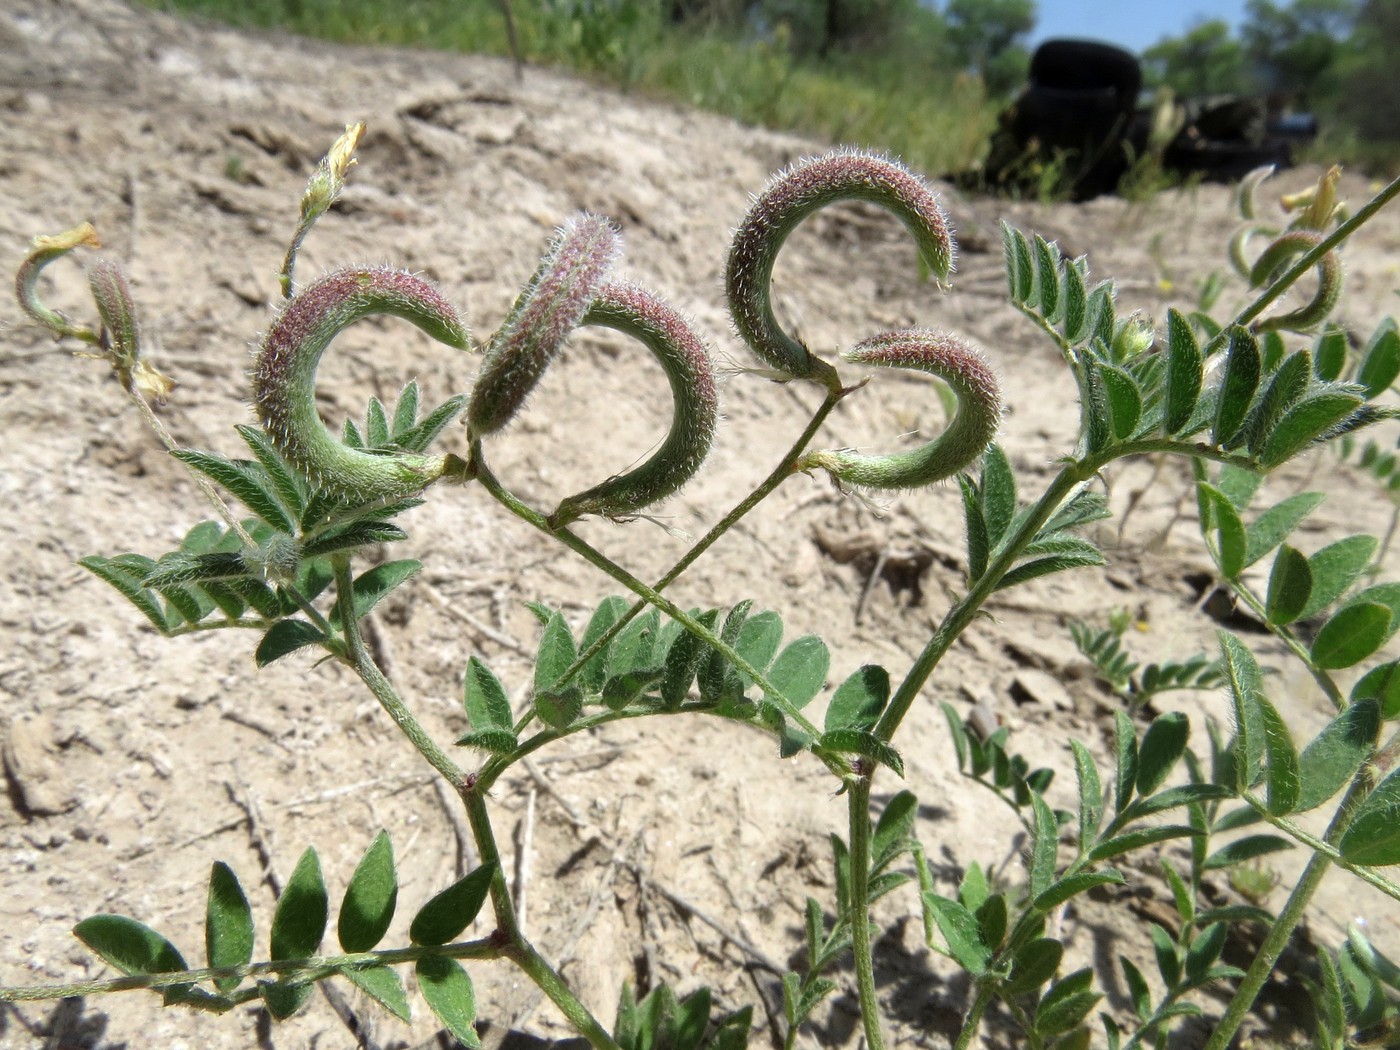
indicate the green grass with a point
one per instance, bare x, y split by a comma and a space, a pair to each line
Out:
935, 121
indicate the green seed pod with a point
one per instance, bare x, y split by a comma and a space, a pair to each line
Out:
552, 305
42, 251
1247, 193
964, 439
792, 196
636, 312
1277, 258
284, 379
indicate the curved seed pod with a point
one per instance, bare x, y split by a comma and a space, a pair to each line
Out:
1247, 194
552, 305
284, 379
964, 439
121, 336
636, 312
42, 251
1239, 245
1282, 253
792, 196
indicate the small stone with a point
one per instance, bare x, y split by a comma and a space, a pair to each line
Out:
1040, 687
34, 769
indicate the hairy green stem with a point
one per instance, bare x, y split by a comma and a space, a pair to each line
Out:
310, 969
508, 933
985, 993
1288, 919
360, 661
858, 794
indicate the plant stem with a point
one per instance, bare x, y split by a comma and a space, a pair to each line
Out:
974, 1017
312, 969
858, 793
1314, 256
1282, 929
359, 660
516, 947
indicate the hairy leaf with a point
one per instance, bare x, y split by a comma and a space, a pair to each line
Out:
228, 924
449, 993
452, 911
370, 899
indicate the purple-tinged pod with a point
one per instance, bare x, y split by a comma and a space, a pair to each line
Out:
121, 336
553, 304
965, 438
792, 196
636, 312
284, 379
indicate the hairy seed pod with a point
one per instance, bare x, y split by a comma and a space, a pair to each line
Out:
284, 379
964, 439
636, 312
42, 251
1277, 258
552, 305
792, 196
1247, 193
120, 334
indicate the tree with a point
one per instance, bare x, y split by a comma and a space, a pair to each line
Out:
1370, 93
980, 31
1295, 46
1207, 60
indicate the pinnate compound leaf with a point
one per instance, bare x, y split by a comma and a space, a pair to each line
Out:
860, 742
1290, 586
485, 698
1162, 747
228, 924
1374, 835
1335, 754
799, 672
299, 922
959, 928
1059, 892
454, 909
373, 586
449, 994
382, 984
285, 637
1353, 633
1237, 387
858, 700
370, 899
1309, 420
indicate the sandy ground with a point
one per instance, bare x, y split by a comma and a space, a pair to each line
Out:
135, 762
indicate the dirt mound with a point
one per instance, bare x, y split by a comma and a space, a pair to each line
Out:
669, 851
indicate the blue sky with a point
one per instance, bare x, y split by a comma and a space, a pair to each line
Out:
1134, 24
